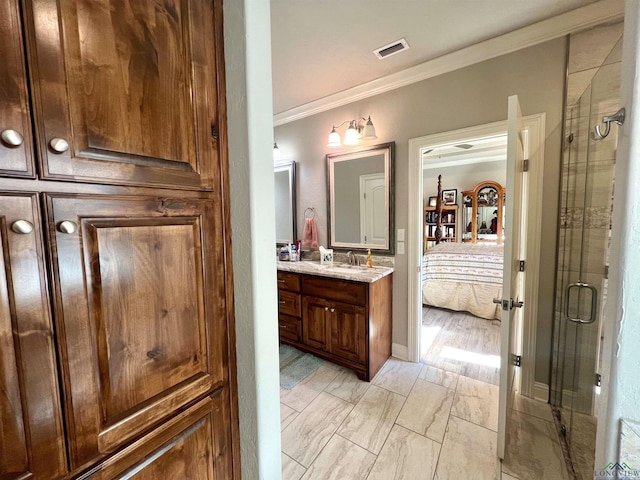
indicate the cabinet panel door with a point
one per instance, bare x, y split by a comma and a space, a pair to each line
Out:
289, 303
142, 311
16, 157
131, 86
31, 428
186, 447
315, 322
348, 332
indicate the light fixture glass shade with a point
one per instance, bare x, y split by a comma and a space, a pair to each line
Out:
334, 138
351, 136
276, 152
369, 132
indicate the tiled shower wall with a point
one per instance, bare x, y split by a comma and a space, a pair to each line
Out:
585, 206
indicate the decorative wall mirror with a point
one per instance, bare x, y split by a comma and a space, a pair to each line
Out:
360, 191
285, 202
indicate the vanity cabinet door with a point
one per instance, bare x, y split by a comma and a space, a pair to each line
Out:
289, 303
140, 312
126, 92
31, 428
16, 152
316, 317
348, 331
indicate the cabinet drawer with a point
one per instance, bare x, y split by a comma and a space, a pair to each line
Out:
335, 289
289, 303
181, 447
290, 327
289, 281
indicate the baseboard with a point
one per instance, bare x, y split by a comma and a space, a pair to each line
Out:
400, 352
541, 391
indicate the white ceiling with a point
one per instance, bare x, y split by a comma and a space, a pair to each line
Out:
321, 47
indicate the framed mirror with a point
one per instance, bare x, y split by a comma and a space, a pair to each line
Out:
285, 202
360, 192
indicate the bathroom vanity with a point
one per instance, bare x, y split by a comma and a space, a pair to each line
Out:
338, 312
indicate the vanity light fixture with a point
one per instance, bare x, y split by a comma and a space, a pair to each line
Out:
276, 152
356, 131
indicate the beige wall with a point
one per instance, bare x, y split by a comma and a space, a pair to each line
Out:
470, 96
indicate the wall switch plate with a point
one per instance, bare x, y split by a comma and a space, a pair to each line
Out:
400, 237
400, 248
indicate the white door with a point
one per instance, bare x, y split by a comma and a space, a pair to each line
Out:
510, 328
373, 209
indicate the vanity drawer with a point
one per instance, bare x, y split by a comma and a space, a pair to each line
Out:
354, 293
290, 328
289, 303
289, 281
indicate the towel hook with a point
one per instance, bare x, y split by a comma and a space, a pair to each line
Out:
617, 117
312, 210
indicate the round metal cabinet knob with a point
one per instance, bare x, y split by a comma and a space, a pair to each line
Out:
59, 145
67, 227
22, 227
11, 138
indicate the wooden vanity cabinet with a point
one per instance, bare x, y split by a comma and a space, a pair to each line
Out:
346, 322
289, 307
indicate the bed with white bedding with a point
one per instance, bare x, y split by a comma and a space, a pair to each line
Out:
463, 277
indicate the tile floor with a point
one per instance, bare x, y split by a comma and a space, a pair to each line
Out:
413, 422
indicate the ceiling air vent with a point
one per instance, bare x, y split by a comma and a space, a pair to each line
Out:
391, 49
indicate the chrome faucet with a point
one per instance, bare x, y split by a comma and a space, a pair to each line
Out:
351, 258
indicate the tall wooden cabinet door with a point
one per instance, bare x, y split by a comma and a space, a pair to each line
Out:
315, 322
31, 427
140, 296
127, 91
348, 335
16, 157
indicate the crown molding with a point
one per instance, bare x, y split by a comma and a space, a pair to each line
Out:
602, 11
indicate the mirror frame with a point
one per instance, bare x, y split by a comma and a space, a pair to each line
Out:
289, 167
388, 149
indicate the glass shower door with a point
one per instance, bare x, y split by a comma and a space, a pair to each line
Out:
585, 226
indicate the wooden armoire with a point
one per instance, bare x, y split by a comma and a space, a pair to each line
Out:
117, 348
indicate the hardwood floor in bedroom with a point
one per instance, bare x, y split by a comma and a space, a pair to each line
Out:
461, 343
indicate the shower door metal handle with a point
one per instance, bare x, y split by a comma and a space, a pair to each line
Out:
594, 303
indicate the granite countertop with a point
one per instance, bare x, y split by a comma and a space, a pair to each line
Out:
336, 270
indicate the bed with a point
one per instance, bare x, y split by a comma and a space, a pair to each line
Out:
463, 277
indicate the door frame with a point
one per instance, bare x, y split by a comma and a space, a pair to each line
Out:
535, 125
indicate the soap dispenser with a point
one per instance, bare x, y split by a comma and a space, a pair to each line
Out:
369, 259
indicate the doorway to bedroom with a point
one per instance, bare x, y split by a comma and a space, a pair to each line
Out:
460, 333
457, 341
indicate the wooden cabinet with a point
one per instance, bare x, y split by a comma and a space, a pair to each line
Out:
126, 92
131, 293
32, 441
482, 213
16, 148
448, 225
117, 353
346, 322
289, 306
182, 447
348, 327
